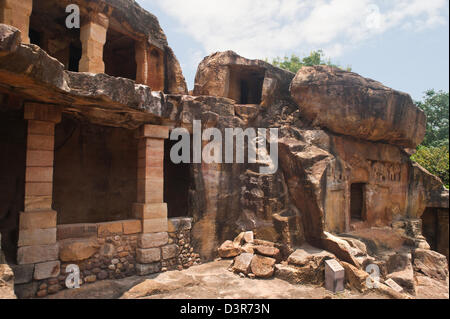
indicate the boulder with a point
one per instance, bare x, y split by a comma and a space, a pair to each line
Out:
307, 255
431, 264
262, 267
307, 265
356, 278
229, 250
6, 282
346, 103
242, 263
268, 252
72, 250
340, 248
10, 39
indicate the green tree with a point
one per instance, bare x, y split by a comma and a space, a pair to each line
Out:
435, 160
435, 105
433, 153
295, 63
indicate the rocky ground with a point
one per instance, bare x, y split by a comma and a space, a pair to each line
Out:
209, 280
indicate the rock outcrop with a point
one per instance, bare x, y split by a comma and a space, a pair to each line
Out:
346, 103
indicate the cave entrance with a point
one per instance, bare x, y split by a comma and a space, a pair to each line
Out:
119, 55
246, 84
176, 184
48, 30
95, 169
430, 227
357, 206
13, 139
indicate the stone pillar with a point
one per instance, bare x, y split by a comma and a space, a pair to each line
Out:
150, 207
93, 38
141, 62
17, 13
37, 246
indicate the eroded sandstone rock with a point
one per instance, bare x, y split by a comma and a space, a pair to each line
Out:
263, 267
431, 264
77, 249
349, 104
228, 249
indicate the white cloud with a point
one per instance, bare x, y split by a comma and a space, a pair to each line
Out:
268, 28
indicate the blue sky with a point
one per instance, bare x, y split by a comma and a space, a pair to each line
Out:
404, 43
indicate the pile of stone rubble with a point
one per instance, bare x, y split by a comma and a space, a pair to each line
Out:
395, 273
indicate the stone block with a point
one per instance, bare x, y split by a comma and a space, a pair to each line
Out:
179, 223
150, 211
41, 128
147, 269
150, 173
152, 240
42, 112
169, 251
154, 131
148, 256
46, 270
36, 203
132, 227
110, 228
150, 190
39, 158
23, 273
334, 276
40, 142
37, 220
37, 254
156, 225
37, 236
39, 174
38, 189
76, 231
77, 249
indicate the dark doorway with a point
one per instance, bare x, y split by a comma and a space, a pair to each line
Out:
13, 137
119, 55
357, 202
246, 84
176, 184
430, 226
74, 57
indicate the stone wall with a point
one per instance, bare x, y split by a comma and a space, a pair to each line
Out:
107, 251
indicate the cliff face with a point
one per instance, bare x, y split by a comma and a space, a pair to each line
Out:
325, 177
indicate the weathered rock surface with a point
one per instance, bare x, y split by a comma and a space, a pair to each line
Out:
242, 263
263, 267
431, 264
356, 278
77, 249
349, 104
6, 282
216, 73
229, 249
9, 39
306, 265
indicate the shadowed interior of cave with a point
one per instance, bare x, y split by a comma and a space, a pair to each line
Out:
95, 172
13, 136
357, 202
246, 84
176, 184
119, 55
430, 226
